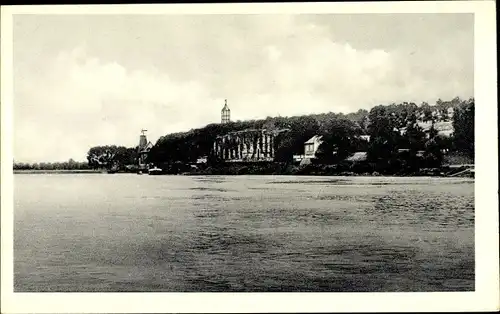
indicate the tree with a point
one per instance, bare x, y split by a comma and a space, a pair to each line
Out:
463, 125
339, 137
360, 117
426, 113
126, 156
284, 147
384, 134
433, 155
413, 138
301, 129
106, 156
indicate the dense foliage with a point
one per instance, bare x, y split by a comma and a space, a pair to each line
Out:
463, 123
395, 128
397, 138
109, 157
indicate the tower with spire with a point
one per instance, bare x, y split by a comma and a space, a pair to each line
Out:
143, 150
143, 141
225, 113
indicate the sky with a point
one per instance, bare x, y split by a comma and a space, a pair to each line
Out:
88, 80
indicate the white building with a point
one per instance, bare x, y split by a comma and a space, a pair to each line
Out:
312, 145
310, 148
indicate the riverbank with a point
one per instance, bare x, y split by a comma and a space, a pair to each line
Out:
316, 170
283, 169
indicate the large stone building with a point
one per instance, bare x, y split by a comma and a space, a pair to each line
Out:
249, 145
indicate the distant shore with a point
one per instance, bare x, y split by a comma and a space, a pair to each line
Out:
29, 171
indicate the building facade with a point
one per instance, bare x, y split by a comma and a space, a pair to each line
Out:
251, 145
312, 145
310, 148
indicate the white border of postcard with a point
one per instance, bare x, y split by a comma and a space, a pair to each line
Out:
486, 295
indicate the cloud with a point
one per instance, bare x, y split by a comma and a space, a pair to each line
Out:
92, 92
83, 102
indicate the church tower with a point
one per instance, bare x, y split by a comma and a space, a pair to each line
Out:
143, 150
143, 141
225, 113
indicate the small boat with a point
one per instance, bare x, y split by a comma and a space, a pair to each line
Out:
155, 171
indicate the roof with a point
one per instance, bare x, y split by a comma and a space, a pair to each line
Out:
314, 139
358, 156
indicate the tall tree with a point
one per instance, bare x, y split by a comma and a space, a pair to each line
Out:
340, 137
384, 134
105, 156
463, 125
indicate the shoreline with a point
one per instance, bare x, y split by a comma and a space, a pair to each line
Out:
226, 172
32, 171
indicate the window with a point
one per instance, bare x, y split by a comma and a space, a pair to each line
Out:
309, 149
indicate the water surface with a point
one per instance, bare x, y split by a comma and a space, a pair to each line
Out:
99, 232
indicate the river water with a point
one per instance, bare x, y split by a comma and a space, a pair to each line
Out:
124, 232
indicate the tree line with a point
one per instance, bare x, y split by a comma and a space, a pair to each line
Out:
105, 157
397, 138
67, 165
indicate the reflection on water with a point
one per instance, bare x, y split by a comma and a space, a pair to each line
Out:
242, 233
